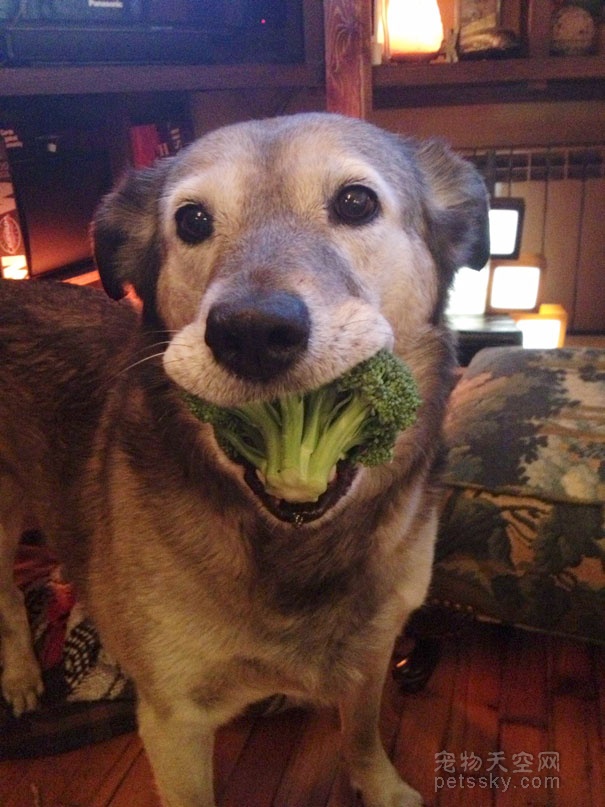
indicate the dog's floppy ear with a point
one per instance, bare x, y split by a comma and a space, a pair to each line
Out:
127, 247
458, 208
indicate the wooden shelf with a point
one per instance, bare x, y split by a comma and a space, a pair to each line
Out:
528, 78
93, 79
501, 71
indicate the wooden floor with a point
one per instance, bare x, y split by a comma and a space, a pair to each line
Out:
498, 699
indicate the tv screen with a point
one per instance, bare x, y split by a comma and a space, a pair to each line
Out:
506, 227
57, 195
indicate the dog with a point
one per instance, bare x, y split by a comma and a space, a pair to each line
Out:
268, 257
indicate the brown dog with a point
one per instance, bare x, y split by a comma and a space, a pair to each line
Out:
270, 257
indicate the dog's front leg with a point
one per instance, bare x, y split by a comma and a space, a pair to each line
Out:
21, 680
370, 770
179, 741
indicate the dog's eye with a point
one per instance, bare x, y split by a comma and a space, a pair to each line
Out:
193, 223
355, 204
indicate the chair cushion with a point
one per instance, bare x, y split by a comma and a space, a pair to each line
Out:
522, 531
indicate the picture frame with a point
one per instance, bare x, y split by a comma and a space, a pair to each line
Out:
474, 16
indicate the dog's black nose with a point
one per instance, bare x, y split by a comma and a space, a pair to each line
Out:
260, 335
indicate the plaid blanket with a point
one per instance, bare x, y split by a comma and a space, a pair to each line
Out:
87, 698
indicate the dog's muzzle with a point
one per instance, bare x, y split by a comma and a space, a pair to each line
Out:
259, 335
298, 513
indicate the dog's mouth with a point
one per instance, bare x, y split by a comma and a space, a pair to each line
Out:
300, 513
300, 451
287, 450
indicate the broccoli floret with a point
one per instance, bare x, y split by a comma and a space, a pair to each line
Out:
296, 441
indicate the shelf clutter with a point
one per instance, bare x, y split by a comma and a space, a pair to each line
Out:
505, 50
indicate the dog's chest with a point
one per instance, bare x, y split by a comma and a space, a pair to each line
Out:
225, 627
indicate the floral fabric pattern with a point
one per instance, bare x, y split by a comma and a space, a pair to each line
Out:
522, 536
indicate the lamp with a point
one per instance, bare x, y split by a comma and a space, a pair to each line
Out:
471, 290
413, 31
544, 329
506, 226
468, 292
13, 267
515, 284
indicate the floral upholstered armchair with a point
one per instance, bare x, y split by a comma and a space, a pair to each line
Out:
522, 534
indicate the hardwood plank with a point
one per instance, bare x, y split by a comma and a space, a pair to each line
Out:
573, 670
524, 687
574, 708
86, 776
118, 774
489, 72
472, 732
598, 655
595, 733
12, 775
493, 691
230, 741
425, 722
310, 774
101, 764
521, 745
41, 776
137, 788
263, 760
569, 741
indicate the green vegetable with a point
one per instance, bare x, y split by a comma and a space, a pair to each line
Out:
294, 442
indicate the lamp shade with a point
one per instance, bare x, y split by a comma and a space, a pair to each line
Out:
414, 30
13, 267
506, 226
515, 285
544, 329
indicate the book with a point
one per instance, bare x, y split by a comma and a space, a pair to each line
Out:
13, 262
152, 141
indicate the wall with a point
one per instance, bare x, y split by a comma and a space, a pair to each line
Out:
564, 218
210, 110
564, 192
495, 125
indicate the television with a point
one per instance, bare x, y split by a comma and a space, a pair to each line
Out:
506, 227
472, 290
213, 32
57, 195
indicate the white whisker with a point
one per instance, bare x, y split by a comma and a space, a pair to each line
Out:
150, 357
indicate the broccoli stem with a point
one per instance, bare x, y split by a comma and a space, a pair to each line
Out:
296, 441
302, 452
285, 465
343, 433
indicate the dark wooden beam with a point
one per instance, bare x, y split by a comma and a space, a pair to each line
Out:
348, 33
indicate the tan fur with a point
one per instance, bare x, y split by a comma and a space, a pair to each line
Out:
208, 600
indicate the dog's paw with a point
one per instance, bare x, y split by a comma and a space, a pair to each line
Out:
405, 796
386, 789
22, 685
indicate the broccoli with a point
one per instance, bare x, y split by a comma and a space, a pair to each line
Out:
296, 441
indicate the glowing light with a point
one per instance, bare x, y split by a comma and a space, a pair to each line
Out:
515, 287
414, 29
13, 267
503, 226
546, 329
468, 293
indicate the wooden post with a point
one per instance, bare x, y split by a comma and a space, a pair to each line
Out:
348, 35
540, 14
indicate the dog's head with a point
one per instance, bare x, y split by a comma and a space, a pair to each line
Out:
278, 254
